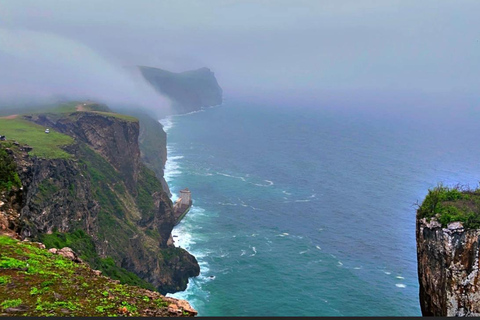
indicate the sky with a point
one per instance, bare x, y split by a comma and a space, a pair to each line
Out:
388, 53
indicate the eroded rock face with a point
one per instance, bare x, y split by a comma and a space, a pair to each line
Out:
57, 196
113, 138
448, 262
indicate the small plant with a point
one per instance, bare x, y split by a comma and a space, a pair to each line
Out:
145, 298
100, 309
12, 263
61, 263
105, 293
129, 307
11, 303
4, 280
34, 291
161, 303
47, 283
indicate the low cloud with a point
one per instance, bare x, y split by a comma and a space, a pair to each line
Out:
39, 68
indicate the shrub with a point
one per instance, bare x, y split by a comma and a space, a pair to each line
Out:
8, 171
452, 204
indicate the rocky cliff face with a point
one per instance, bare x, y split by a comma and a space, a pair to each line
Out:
189, 91
448, 262
105, 190
113, 138
153, 144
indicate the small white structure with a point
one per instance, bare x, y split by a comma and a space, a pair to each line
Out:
186, 197
47, 130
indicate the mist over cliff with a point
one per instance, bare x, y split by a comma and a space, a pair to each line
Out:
41, 68
189, 90
389, 56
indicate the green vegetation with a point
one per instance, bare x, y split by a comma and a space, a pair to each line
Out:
147, 185
116, 115
11, 303
47, 188
452, 204
4, 280
152, 142
103, 175
83, 244
55, 286
8, 171
44, 145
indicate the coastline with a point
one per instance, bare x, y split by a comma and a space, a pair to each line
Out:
180, 233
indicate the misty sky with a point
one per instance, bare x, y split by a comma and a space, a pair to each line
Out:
319, 50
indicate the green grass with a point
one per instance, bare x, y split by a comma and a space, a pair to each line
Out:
116, 115
44, 145
4, 280
59, 287
450, 204
148, 184
8, 171
83, 244
11, 303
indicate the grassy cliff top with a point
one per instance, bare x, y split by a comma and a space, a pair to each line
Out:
448, 204
35, 282
116, 115
49, 146
43, 144
65, 109
74, 107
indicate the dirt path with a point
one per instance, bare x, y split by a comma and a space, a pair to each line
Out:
12, 116
80, 107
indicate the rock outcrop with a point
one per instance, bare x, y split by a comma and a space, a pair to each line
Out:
448, 263
189, 91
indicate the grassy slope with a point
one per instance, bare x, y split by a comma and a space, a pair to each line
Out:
83, 244
44, 145
452, 204
35, 282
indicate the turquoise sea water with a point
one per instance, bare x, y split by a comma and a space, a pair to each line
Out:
309, 212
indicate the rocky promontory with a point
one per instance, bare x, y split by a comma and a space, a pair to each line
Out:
188, 91
448, 252
84, 185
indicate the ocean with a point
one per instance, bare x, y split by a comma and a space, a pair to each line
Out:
303, 211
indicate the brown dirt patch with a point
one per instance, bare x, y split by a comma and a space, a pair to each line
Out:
12, 116
80, 107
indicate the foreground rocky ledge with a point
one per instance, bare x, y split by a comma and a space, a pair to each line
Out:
38, 282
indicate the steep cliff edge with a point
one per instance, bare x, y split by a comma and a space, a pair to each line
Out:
448, 252
189, 91
101, 187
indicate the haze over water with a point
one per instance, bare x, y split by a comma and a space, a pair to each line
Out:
309, 212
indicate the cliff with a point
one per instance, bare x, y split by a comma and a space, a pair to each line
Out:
189, 91
153, 144
448, 251
100, 186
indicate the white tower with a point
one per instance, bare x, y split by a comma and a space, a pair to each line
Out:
186, 197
